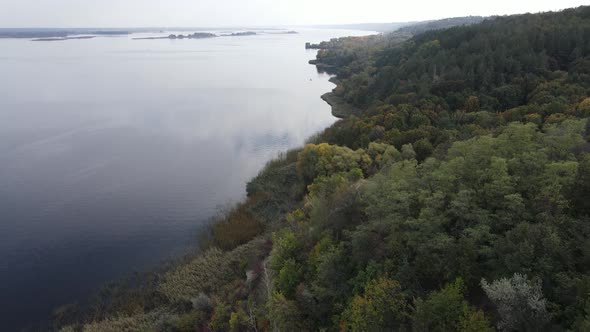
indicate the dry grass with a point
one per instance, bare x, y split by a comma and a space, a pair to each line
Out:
141, 322
209, 272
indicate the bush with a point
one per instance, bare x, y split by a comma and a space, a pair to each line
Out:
202, 303
237, 228
325, 159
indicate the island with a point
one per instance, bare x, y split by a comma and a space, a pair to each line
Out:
241, 34
204, 35
62, 38
196, 35
291, 32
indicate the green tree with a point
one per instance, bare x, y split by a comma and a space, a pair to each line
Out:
447, 310
382, 307
283, 313
288, 278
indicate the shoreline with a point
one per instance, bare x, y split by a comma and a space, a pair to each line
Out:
340, 108
202, 246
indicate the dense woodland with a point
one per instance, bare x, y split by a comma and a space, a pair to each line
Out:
456, 198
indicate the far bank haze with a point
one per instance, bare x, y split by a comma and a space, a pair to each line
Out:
47, 32
235, 13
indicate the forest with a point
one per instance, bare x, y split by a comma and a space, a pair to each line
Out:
456, 197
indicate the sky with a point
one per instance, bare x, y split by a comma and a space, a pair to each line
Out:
233, 13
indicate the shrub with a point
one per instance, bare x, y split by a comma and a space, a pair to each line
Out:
237, 228
202, 302
325, 159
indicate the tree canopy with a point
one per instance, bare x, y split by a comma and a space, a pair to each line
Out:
456, 197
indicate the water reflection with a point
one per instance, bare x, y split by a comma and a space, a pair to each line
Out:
113, 151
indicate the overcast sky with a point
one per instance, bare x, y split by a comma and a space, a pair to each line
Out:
214, 13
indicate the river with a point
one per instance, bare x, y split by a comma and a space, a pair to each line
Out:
114, 151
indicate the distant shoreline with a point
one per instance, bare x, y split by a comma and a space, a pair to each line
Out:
68, 34
57, 33
62, 38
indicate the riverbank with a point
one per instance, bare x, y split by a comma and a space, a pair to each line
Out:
227, 273
243, 238
340, 108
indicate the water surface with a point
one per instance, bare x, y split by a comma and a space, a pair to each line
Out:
113, 151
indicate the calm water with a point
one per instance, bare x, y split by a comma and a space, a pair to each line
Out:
113, 151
